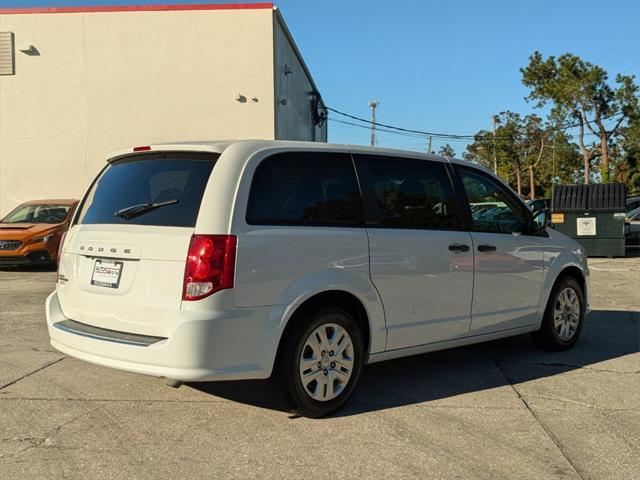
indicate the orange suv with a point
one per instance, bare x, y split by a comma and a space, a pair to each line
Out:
30, 233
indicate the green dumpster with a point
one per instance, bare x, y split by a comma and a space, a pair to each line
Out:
593, 215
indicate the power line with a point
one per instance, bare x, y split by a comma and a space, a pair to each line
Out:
385, 130
617, 44
444, 136
422, 136
400, 129
419, 136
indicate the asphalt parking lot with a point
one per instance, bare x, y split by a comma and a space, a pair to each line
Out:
499, 410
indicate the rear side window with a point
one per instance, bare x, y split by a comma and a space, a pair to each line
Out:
305, 188
409, 193
177, 179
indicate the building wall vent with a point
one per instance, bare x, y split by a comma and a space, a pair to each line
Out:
7, 54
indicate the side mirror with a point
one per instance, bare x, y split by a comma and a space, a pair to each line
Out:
539, 220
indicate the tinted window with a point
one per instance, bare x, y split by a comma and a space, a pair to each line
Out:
492, 208
150, 178
305, 188
411, 194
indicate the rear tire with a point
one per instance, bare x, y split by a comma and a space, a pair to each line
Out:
319, 363
563, 317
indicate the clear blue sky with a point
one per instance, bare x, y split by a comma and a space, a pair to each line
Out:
444, 66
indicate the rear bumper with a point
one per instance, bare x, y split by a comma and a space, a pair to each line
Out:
217, 346
38, 257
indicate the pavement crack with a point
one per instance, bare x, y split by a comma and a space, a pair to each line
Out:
111, 400
15, 454
533, 414
422, 405
357, 404
31, 373
576, 402
32, 442
57, 428
43, 441
563, 365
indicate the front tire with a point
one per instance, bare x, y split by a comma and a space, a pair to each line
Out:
319, 363
563, 318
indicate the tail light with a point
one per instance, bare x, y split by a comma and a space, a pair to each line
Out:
210, 265
59, 253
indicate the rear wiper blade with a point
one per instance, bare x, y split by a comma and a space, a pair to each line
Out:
136, 210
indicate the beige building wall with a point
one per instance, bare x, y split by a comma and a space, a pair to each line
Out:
109, 80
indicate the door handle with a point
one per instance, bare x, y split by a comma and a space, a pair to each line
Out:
458, 247
486, 248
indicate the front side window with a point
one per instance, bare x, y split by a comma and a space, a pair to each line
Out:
493, 210
38, 214
411, 194
305, 188
162, 189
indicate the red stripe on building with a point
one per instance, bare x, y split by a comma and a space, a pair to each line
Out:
138, 8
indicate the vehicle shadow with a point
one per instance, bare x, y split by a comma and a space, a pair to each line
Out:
607, 335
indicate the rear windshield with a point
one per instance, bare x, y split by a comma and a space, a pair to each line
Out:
176, 180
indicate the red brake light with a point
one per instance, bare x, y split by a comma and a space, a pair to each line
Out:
142, 149
210, 265
59, 254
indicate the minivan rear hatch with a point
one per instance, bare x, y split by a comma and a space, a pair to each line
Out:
124, 258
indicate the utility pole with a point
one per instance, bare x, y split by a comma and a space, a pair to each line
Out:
553, 159
495, 156
373, 104
429, 148
553, 170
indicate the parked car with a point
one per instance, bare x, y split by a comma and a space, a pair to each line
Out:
633, 203
632, 227
539, 204
31, 232
301, 262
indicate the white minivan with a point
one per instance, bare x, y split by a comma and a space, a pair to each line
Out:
301, 262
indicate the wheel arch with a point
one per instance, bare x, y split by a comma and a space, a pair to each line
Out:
575, 273
331, 298
571, 270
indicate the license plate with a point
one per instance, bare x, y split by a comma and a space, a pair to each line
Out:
106, 274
